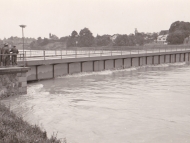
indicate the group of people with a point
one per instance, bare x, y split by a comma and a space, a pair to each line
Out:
8, 56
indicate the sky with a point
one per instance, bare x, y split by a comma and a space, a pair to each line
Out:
61, 17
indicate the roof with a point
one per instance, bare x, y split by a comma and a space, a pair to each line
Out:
162, 36
164, 32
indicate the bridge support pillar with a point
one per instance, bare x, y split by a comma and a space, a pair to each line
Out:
13, 81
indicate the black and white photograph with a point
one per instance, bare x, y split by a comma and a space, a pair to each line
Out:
95, 71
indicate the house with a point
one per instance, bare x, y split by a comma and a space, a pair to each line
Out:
113, 37
162, 37
53, 37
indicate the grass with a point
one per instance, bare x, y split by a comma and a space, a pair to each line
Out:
14, 130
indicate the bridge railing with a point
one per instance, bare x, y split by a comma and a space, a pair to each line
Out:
6, 60
80, 53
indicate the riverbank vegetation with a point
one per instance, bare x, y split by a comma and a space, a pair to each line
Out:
14, 130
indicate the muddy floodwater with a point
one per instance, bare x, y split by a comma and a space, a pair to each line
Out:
149, 104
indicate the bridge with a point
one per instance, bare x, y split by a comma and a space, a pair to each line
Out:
47, 64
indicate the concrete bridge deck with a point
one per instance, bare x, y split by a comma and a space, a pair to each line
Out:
50, 66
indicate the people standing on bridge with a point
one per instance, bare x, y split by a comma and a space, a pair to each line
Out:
14, 51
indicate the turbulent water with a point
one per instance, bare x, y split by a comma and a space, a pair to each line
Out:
137, 105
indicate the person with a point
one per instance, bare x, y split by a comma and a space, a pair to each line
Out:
3, 57
14, 51
7, 58
0, 56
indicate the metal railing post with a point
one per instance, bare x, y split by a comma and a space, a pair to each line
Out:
23, 59
76, 53
44, 55
25, 55
138, 50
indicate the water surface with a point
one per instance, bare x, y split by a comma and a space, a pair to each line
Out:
136, 105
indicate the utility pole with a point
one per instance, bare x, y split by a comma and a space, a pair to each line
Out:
23, 26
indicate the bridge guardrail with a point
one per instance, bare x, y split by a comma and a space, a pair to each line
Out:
61, 54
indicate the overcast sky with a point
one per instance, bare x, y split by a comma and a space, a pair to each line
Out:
61, 17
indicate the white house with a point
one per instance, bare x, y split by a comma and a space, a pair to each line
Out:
113, 37
162, 37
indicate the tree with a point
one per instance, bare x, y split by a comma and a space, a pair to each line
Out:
177, 37
139, 38
178, 32
154, 36
103, 40
86, 38
63, 39
127, 40
122, 40
74, 34
44, 42
39, 40
72, 40
131, 39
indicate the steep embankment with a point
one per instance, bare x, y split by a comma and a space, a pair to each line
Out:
14, 130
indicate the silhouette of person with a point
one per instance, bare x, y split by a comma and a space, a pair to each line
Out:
14, 51
0, 56
3, 54
7, 58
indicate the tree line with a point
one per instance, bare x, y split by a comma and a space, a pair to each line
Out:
178, 31
85, 38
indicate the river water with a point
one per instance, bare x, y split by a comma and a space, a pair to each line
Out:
137, 105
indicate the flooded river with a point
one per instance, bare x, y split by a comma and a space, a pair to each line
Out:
137, 105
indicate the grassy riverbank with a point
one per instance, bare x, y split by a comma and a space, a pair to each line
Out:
14, 130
